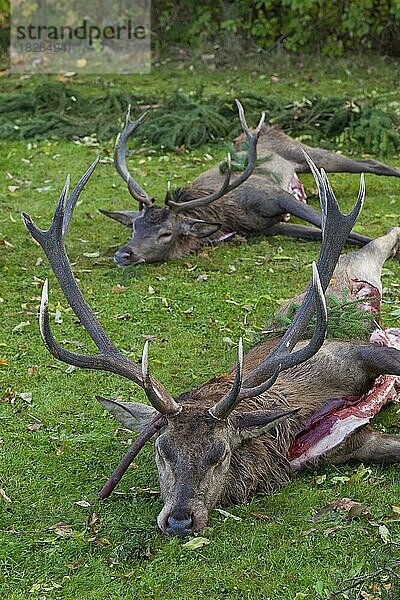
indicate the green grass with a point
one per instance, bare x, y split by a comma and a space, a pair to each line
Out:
45, 471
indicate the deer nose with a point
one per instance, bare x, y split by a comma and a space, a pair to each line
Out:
126, 256
180, 527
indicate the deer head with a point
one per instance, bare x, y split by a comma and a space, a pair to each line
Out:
199, 433
161, 233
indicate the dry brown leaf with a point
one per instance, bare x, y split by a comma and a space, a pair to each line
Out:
62, 529
34, 426
118, 289
93, 523
352, 509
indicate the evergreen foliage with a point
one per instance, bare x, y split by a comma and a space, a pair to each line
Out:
345, 319
57, 110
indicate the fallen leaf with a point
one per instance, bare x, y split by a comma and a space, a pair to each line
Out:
339, 479
61, 449
202, 277
26, 397
6, 243
82, 503
124, 575
91, 254
352, 509
32, 370
260, 516
20, 326
330, 530
3, 362
196, 543
34, 426
9, 396
4, 496
384, 534
225, 513
91, 522
118, 289
124, 317
62, 529
320, 479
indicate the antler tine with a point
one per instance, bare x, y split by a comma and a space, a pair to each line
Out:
336, 228
74, 196
281, 358
109, 358
135, 190
227, 185
222, 409
166, 406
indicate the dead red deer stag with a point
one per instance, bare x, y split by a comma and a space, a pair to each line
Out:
258, 201
236, 434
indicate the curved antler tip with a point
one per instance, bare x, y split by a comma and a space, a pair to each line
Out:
260, 123
26, 219
45, 295
145, 359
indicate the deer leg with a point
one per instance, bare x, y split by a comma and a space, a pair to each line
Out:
310, 233
336, 163
290, 204
368, 446
378, 360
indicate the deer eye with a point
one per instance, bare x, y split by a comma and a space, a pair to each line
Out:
166, 453
165, 235
216, 454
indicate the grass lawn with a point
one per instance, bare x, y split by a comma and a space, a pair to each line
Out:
58, 446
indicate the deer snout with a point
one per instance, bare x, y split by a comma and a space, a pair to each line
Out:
182, 523
126, 256
179, 527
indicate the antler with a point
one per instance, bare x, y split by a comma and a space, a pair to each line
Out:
109, 358
335, 228
227, 185
134, 188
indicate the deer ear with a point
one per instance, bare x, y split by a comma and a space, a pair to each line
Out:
257, 422
125, 217
132, 415
200, 229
